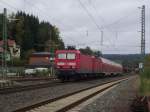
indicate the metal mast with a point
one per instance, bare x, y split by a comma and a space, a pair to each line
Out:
4, 63
143, 31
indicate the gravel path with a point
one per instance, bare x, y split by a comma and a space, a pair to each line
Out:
118, 99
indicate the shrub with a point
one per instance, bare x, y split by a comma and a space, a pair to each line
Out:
145, 77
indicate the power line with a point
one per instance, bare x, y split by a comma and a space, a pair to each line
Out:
106, 27
4, 2
33, 6
90, 15
97, 12
118, 20
93, 19
41, 10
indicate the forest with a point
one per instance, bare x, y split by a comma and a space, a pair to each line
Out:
31, 34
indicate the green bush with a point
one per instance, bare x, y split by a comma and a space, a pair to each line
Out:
17, 62
145, 77
42, 73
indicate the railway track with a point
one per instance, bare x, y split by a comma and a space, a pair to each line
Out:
21, 88
20, 79
14, 89
68, 101
16, 82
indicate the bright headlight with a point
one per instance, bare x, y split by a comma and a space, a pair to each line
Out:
60, 63
72, 64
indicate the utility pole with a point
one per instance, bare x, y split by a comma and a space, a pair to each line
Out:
101, 38
51, 45
143, 30
4, 62
101, 42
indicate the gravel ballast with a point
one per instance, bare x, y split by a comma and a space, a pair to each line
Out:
14, 101
117, 99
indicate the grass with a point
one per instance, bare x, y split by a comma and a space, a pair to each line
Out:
145, 78
145, 87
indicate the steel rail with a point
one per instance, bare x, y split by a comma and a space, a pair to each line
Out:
66, 95
28, 87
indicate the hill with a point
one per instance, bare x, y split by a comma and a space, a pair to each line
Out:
130, 60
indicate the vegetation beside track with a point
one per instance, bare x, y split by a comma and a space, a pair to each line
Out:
145, 78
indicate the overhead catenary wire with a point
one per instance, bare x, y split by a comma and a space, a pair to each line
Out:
17, 9
93, 20
90, 16
41, 10
6, 3
115, 22
43, 3
48, 16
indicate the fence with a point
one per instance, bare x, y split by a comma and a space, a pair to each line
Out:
20, 71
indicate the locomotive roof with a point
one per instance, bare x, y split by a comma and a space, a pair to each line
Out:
65, 51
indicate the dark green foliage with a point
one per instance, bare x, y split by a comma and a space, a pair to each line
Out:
16, 62
145, 73
127, 60
147, 61
97, 53
86, 50
89, 51
1, 25
145, 77
31, 34
71, 47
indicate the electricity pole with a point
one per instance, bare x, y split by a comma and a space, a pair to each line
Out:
4, 54
143, 30
101, 38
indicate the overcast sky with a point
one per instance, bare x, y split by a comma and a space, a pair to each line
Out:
118, 19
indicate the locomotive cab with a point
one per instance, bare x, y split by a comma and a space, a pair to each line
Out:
66, 62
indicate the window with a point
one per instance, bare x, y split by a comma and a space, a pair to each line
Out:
71, 56
62, 56
68, 56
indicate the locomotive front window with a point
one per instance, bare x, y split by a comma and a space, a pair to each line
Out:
62, 56
71, 56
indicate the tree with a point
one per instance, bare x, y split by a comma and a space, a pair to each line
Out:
1, 25
86, 50
29, 33
71, 47
89, 51
97, 53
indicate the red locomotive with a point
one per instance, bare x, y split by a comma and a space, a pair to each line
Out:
72, 64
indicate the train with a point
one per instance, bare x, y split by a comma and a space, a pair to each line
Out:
72, 64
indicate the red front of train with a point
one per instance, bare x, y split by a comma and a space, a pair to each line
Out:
73, 64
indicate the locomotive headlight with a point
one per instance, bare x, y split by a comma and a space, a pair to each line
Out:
72, 64
73, 67
60, 63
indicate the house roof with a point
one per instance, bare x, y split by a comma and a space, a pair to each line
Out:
9, 42
41, 54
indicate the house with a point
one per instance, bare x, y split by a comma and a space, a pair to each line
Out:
13, 49
40, 59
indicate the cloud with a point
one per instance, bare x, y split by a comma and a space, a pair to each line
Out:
121, 16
